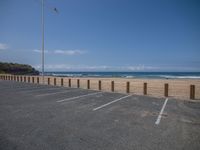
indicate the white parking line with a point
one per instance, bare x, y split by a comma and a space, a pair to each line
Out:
71, 98
19, 87
36, 89
111, 102
47, 94
161, 112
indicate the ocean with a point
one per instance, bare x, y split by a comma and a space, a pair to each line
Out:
152, 75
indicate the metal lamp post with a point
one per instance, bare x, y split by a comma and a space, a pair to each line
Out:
42, 41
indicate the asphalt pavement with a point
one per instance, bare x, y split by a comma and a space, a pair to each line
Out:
44, 117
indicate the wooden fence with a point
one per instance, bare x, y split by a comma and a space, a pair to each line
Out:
180, 89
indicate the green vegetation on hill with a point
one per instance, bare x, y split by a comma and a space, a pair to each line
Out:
17, 69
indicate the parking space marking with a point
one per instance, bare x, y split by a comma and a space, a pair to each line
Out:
102, 106
36, 89
161, 112
21, 88
47, 94
71, 98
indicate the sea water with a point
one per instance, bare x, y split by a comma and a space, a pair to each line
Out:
153, 75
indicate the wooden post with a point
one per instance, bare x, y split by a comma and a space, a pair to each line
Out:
145, 89
192, 91
69, 82
15, 78
33, 79
166, 90
24, 79
62, 83
127, 87
99, 84
54, 81
88, 84
48, 81
38, 80
21, 78
78, 83
28, 79
11, 77
112, 86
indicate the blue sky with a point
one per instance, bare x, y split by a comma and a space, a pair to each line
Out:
103, 35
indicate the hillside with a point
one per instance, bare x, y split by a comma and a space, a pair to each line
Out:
17, 69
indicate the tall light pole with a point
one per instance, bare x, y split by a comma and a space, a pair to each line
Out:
42, 41
42, 20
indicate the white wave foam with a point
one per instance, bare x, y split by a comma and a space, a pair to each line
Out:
180, 77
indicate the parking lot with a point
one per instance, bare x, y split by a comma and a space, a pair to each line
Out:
38, 117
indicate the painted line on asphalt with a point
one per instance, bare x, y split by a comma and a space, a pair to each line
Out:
36, 89
14, 87
102, 106
161, 112
76, 97
22, 87
47, 94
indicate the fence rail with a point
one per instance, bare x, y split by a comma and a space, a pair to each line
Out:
183, 89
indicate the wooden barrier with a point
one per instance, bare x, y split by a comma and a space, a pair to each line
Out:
99, 84
127, 87
61, 82
166, 89
48, 81
145, 89
38, 80
162, 89
112, 86
78, 83
54, 81
88, 84
70, 83
192, 91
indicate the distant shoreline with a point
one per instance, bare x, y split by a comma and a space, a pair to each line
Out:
129, 75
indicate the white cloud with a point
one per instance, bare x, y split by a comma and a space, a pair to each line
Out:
63, 52
68, 67
69, 52
39, 51
3, 46
140, 68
